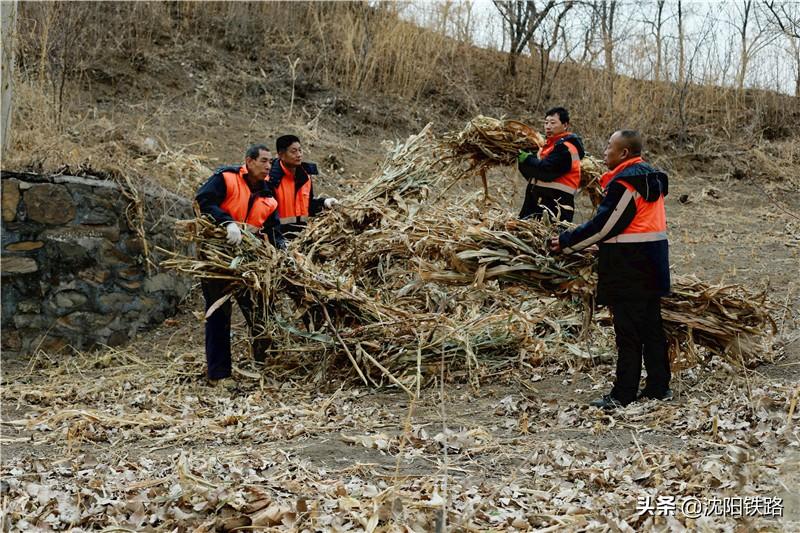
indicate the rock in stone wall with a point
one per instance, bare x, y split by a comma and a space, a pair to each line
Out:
73, 269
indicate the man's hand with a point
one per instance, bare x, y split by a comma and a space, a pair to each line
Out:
593, 249
554, 245
330, 202
523, 155
234, 233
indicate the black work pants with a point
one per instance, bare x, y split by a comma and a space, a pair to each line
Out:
218, 327
560, 206
640, 334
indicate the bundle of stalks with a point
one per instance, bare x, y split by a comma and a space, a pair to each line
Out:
397, 283
487, 142
725, 319
399, 333
728, 320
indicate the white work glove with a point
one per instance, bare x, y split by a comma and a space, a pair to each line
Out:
330, 202
234, 233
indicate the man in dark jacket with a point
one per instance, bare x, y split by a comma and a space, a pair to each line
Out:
630, 228
237, 197
290, 182
554, 174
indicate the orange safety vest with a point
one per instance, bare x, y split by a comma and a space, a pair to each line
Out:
570, 181
241, 204
650, 222
292, 205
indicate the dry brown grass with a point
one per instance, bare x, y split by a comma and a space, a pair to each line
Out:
360, 49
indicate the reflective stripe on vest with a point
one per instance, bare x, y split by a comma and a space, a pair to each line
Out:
555, 185
637, 237
571, 180
238, 200
293, 220
292, 205
650, 221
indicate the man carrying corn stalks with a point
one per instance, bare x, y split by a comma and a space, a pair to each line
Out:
554, 174
290, 181
630, 228
236, 195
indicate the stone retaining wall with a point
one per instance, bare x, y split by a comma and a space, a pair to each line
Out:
73, 265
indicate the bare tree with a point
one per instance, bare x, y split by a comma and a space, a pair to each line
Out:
681, 45
656, 25
543, 47
787, 19
521, 20
606, 12
589, 52
753, 36
782, 15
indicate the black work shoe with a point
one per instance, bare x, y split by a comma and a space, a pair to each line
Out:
223, 384
261, 348
646, 395
607, 402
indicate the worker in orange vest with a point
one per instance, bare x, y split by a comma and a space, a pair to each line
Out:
554, 173
630, 227
237, 197
290, 182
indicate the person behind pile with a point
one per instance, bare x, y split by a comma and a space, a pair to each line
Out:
631, 229
554, 174
237, 197
290, 181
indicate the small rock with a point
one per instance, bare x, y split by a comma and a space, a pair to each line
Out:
94, 276
24, 246
17, 265
150, 146
49, 204
77, 233
10, 199
70, 299
29, 306
130, 285
130, 274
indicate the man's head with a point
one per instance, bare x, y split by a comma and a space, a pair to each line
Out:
556, 121
622, 145
257, 159
289, 150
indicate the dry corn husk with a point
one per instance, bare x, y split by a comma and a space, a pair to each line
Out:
397, 282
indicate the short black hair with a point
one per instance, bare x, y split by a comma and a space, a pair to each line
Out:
255, 150
633, 141
563, 114
285, 141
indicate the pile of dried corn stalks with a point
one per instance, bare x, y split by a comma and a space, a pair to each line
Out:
402, 280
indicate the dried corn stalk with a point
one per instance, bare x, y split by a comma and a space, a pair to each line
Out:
396, 282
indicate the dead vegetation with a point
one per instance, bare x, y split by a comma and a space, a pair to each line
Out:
132, 440
403, 279
126, 440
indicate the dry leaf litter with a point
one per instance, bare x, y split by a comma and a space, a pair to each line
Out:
403, 288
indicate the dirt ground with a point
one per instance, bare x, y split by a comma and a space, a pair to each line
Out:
134, 439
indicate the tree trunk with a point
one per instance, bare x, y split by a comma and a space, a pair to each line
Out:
744, 53
607, 11
512, 64
9, 26
681, 54
659, 38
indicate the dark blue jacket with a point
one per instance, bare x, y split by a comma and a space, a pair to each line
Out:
627, 271
549, 168
213, 192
